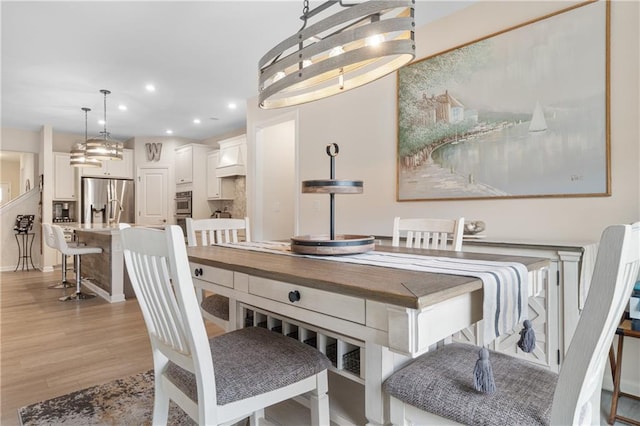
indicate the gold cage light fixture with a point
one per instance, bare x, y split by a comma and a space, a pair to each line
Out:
79, 150
356, 45
103, 147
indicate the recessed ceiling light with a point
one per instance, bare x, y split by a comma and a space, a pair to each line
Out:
150, 88
232, 106
196, 121
122, 107
169, 132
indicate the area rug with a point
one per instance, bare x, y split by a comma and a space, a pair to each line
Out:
127, 401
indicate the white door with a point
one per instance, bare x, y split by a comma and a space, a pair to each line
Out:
153, 196
276, 182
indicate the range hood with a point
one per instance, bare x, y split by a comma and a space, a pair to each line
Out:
232, 158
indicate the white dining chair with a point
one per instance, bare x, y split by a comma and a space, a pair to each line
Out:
438, 387
438, 234
215, 307
427, 233
224, 379
217, 231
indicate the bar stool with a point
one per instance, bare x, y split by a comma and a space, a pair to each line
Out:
50, 239
615, 361
76, 252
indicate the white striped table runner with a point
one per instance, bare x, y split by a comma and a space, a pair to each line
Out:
505, 284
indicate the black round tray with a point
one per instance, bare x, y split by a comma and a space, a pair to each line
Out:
323, 245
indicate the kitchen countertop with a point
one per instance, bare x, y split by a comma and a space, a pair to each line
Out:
103, 227
95, 227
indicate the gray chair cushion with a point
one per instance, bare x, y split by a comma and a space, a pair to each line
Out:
216, 305
252, 361
441, 382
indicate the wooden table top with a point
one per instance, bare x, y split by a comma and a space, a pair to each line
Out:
388, 285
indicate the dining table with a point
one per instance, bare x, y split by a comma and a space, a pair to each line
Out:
369, 316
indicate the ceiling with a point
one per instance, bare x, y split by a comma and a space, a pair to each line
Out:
201, 56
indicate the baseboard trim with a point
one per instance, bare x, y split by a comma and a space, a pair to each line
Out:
38, 268
116, 298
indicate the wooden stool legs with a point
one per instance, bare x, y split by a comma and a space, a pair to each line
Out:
616, 369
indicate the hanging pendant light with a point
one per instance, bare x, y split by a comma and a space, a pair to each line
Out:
78, 151
348, 49
103, 147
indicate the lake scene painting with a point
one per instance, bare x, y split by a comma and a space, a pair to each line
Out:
519, 114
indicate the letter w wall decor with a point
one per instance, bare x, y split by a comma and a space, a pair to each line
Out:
153, 151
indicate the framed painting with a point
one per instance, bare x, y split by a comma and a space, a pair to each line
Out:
520, 113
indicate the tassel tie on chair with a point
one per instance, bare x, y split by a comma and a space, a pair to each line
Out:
527, 340
483, 373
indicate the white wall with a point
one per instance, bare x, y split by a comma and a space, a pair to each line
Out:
276, 149
363, 123
19, 140
10, 173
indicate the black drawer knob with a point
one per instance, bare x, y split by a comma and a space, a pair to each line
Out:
197, 272
294, 296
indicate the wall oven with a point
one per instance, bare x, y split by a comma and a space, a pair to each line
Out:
183, 203
183, 209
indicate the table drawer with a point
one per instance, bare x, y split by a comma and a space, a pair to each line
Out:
211, 274
336, 305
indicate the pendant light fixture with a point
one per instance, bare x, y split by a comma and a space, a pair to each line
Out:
103, 147
78, 151
354, 46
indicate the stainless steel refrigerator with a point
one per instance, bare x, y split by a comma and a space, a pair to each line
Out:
107, 200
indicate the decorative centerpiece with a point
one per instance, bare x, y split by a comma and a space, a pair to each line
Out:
332, 244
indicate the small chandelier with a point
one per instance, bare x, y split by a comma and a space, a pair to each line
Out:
103, 147
78, 151
348, 49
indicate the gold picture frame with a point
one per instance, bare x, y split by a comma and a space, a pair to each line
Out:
521, 113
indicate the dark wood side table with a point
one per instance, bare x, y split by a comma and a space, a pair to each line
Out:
22, 228
615, 360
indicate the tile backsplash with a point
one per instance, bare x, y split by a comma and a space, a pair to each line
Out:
238, 206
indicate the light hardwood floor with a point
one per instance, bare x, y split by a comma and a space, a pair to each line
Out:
50, 348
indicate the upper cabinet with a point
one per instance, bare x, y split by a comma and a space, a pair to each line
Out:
121, 169
184, 164
218, 188
191, 163
213, 183
233, 157
63, 182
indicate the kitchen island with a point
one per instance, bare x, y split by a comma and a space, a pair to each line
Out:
104, 273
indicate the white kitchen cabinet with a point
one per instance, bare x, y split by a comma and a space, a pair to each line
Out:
191, 175
184, 164
121, 169
233, 157
218, 188
64, 177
